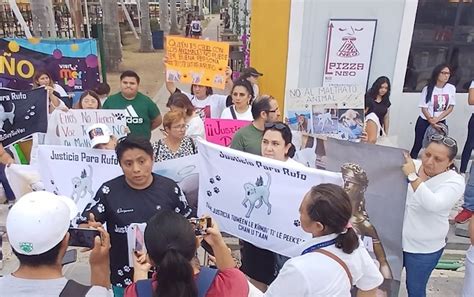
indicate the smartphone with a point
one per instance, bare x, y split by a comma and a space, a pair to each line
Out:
200, 225
82, 237
139, 239
69, 257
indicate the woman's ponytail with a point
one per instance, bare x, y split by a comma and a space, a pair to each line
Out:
175, 276
348, 241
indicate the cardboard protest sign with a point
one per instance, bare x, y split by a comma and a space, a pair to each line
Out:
336, 111
69, 128
374, 188
221, 131
196, 61
22, 113
72, 63
78, 172
253, 200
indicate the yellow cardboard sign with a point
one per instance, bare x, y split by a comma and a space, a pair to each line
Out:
196, 61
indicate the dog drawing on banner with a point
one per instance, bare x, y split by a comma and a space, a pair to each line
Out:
257, 194
10, 115
82, 185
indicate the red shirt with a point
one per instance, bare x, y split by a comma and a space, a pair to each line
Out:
229, 282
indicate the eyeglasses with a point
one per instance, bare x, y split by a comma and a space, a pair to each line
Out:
446, 140
277, 125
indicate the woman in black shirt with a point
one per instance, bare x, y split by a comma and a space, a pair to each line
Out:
380, 93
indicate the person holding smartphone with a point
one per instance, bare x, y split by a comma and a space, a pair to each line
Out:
37, 228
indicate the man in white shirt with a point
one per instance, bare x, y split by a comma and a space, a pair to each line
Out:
37, 228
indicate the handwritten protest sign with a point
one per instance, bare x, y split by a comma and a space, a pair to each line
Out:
336, 111
221, 131
195, 61
69, 128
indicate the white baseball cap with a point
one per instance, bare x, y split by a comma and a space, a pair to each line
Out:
39, 221
99, 134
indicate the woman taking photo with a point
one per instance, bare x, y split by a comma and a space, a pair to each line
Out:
88, 100
171, 246
334, 259
437, 101
175, 144
194, 124
242, 95
379, 93
434, 189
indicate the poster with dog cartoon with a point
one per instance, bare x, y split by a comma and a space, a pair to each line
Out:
22, 113
335, 111
253, 200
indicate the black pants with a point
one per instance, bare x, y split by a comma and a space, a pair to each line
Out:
468, 146
420, 129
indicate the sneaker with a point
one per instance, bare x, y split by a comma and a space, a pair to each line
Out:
463, 216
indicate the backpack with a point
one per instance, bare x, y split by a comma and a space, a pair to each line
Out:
232, 111
204, 281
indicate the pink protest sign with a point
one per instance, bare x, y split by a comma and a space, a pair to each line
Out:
221, 131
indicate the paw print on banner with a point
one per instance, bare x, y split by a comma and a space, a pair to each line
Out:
30, 112
118, 116
126, 268
100, 208
214, 182
120, 272
297, 223
128, 281
105, 190
118, 285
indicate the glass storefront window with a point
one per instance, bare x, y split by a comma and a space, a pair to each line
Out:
444, 32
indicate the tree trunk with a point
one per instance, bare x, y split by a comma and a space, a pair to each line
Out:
43, 19
145, 34
76, 16
164, 16
173, 15
112, 44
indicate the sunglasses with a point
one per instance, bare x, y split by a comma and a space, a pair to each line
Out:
278, 126
446, 140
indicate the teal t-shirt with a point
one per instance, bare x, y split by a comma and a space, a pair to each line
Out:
248, 139
141, 111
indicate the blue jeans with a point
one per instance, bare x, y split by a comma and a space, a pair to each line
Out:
418, 269
469, 191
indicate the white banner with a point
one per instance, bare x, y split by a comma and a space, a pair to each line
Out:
255, 198
79, 172
349, 51
69, 128
336, 111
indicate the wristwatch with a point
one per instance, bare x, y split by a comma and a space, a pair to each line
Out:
412, 177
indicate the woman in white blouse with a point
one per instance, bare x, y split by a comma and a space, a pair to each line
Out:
194, 124
434, 189
242, 96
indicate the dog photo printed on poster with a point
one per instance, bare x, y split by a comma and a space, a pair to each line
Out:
374, 188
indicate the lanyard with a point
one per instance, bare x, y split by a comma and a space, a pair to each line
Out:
319, 246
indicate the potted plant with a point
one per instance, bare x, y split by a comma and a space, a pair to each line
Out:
156, 34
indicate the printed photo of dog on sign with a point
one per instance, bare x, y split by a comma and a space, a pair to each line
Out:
324, 119
350, 123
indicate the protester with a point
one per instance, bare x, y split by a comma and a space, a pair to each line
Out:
189, 19
133, 197
101, 137
468, 207
251, 74
37, 227
196, 28
468, 288
103, 91
334, 259
276, 143
372, 128
379, 93
242, 96
171, 245
434, 188
88, 100
175, 144
143, 114
258, 264
194, 124
208, 104
437, 101
55, 91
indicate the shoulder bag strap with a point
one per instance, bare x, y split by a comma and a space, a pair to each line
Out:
338, 260
204, 280
74, 289
144, 288
232, 111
